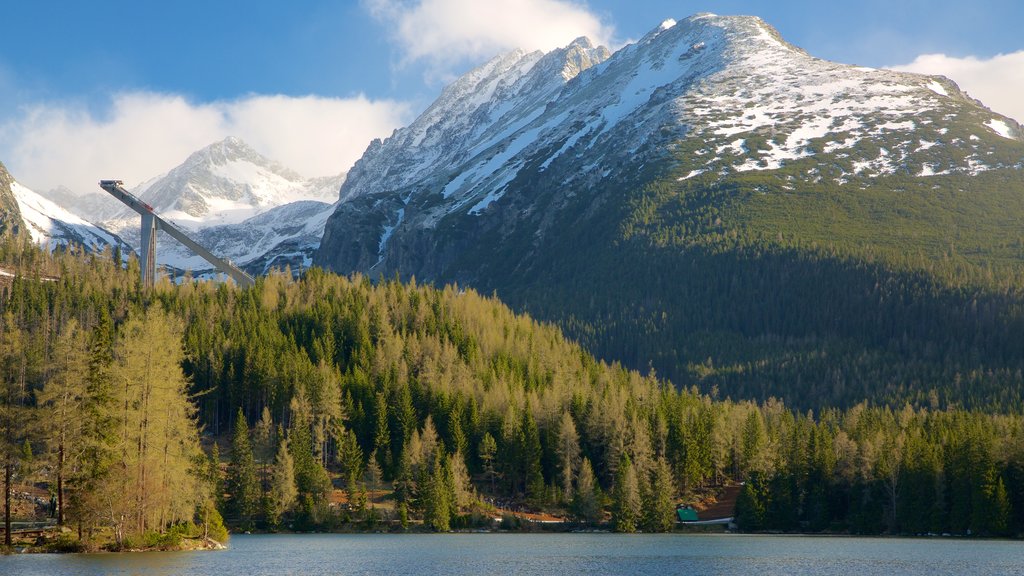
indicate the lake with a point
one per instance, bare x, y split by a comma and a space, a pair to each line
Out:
657, 555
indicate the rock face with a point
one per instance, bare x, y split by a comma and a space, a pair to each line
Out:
507, 148
10, 215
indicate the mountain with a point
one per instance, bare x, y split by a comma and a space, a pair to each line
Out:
227, 183
10, 214
239, 204
284, 236
715, 203
49, 224
92, 206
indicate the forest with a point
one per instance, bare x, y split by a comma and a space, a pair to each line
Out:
345, 403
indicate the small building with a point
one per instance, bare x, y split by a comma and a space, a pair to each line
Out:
686, 513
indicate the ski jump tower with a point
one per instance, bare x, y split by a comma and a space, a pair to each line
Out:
151, 223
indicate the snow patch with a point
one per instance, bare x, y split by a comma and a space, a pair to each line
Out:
385, 235
999, 127
938, 88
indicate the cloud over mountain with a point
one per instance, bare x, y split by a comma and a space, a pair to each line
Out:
140, 134
446, 32
997, 81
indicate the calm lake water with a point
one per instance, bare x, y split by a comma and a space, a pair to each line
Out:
657, 555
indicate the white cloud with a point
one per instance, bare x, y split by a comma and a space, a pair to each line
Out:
444, 33
143, 135
998, 81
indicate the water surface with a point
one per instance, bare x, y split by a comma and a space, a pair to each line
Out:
474, 554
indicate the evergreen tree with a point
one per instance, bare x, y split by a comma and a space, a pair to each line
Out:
382, 434
659, 511
243, 483
626, 505
585, 503
752, 504
15, 414
531, 450
437, 505
487, 451
283, 491
63, 396
568, 453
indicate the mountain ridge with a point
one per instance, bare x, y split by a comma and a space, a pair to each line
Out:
711, 146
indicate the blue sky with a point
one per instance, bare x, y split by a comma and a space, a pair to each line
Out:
114, 88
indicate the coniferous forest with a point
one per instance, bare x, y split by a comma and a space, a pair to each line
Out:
341, 403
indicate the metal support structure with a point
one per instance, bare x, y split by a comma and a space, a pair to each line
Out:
151, 223
147, 253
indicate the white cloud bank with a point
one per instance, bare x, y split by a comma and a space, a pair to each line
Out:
443, 33
144, 134
998, 81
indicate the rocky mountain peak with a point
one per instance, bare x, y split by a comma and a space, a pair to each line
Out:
712, 95
10, 215
227, 182
231, 150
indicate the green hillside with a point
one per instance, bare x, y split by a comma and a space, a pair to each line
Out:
424, 409
761, 284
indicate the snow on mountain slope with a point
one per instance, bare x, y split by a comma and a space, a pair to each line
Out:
238, 204
716, 95
52, 226
282, 236
229, 182
485, 106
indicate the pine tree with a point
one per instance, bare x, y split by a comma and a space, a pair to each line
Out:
659, 512
382, 434
63, 397
568, 453
487, 450
100, 428
585, 504
626, 497
437, 503
310, 477
533, 476
243, 483
752, 505
15, 415
283, 492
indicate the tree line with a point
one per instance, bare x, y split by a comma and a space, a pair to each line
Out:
297, 403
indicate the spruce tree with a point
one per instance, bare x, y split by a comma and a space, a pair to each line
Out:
626, 497
283, 492
487, 451
243, 482
659, 511
585, 504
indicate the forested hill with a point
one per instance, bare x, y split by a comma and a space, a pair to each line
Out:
437, 402
723, 206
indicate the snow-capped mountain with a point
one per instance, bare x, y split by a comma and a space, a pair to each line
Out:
285, 236
91, 206
51, 225
716, 203
239, 204
227, 183
714, 95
